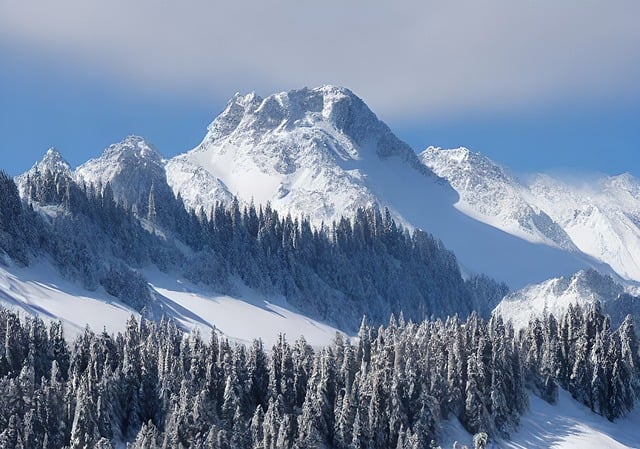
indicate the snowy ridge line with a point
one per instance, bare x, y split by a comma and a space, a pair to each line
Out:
556, 295
599, 217
322, 153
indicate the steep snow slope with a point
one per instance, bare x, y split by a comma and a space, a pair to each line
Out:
322, 153
40, 290
600, 218
489, 193
555, 295
566, 424
304, 151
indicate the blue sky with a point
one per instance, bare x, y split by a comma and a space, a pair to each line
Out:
535, 87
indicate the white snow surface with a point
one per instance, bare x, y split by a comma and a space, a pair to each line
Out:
602, 217
284, 149
599, 217
321, 153
570, 425
491, 194
130, 167
242, 317
103, 169
555, 296
39, 290
566, 424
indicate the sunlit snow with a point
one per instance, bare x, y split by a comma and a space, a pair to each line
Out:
40, 290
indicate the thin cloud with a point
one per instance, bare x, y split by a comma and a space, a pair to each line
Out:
405, 58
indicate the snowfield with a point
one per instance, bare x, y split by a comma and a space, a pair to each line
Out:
40, 290
570, 425
555, 295
564, 425
242, 319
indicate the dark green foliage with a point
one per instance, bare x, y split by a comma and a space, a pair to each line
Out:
156, 387
127, 285
18, 227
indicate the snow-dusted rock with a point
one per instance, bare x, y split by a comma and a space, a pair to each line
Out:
322, 153
555, 295
305, 151
602, 217
489, 193
599, 217
52, 161
130, 167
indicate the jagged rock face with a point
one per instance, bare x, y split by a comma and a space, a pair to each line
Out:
322, 153
304, 151
130, 167
54, 162
341, 115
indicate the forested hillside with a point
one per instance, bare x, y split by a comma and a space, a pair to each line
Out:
369, 265
159, 388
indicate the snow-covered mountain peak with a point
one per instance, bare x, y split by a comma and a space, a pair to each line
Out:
463, 162
322, 153
555, 295
624, 187
130, 167
308, 151
52, 154
132, 148
52, 161
232, 114
132, 153
601, 214
336, 111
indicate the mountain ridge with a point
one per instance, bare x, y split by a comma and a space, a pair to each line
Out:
600, 218
320, 154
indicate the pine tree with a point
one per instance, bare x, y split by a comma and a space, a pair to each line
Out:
84, 431
152, 215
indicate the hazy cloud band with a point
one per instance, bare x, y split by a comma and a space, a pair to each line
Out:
426, 57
